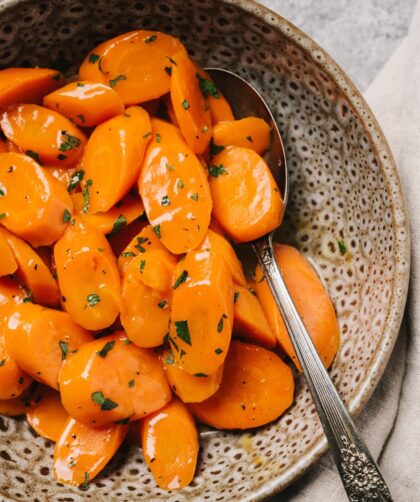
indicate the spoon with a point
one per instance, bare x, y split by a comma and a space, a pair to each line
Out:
359, 472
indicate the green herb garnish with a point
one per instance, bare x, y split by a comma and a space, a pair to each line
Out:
201, 375
142, 265
75, 180
140, 241
185, 104
86, 196
128, 254
66, 216
114, 81
168, 70
85, 485
131, 384
156, 230
249, 138
194, 196
152, 38
158, 138
165, 201
180, 184
182, 331
93, 58
207, 87
216, 171
235, 296
68, 142
218, 351
163, 304
119, 223
182, 278
342, 247
147, 135
105, 349
220, 323
81, 117
2, 362
33, 155
64, 346
215, 149
93, 299
104, 403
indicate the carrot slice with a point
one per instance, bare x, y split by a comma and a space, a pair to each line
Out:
44, 134
13, 381
8, 264
48, 418
111, 380
63, 174
311, 300
20, 405
220, 109
112, 221
191, 389
81, 452
85, 103
249, 319
39, 339
189, 103
250, 132
257, 387
120, 240
33, 204
230, 257
33, 272
113, 157
247, 201
170, 445
174, 190
202, 309
11, 293
133, 64
27, 85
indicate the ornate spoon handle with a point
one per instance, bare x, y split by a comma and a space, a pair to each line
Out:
361, 477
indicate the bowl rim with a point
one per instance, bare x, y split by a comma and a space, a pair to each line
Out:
388, 168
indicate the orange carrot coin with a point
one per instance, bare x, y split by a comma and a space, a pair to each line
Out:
220, 109
33, 204
169, 439
13, 381
250, 132
230, 257
139, 244
63, 174
8, 264
85, 103
174, 190
48, 417
44, 134
111, 380
133, 64
81, 452
257, 387
20, 405
247, 201
311, 300
11, 293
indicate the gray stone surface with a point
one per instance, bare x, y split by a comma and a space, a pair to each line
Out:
359, 34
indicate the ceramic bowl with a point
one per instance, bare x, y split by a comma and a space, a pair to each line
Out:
344, 186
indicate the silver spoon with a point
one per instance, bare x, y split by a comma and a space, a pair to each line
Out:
359, 472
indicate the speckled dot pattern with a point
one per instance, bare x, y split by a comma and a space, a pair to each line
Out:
344, 187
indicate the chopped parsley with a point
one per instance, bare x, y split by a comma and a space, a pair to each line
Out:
182, 331
128, 254
168, 70
201, 375
216, 171
131, 384
2, 215
61, 156
104, 403
122, 421
170, 359
2, 192
86, 196
207, 87
114, 81
147, 135
158, 138
29, 296
93, 299
342, 247
218, 351
165, 201
220, 323
171, 60
194, 196
170, 167
235, 296
185, 104
105, 349
2, 362
215, 149
68, 142
182, 278
79, 84
152, 38
64, 346
66, 216
119, 223
140, 241
85, 485
142, 265
156, 230
81, 117
33, 155
180, 184
75, 180
93, 58
252, 291
163, 304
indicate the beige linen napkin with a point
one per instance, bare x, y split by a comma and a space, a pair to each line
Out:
391, 422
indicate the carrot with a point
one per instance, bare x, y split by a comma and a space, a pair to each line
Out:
81, 452
27, 85
174, 190
257, 387
63, 174
189, 102
191, 389
48, 417
20, 405
113, 157
111, 380
39, 339
33, 204
120, 240
249, 319
170, 445
311, 300
88, 276
112, 221
247, 201
250, 132
171, 113
44, 134
230, 257
11, 293
33, 272
202, 309
133, 64
8, 264
85, 103
13, 381
11, 147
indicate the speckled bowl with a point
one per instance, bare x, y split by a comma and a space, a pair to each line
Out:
344, 186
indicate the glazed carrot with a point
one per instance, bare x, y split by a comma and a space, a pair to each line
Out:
230, 257
170, 445
13, 381
11, 147
85, 103
20, 405
249, 319
44, 134
311, 300
174, 190
171, 113
113, 157
250, 132
257, 387
81, 452
112, 221
111, 380
8, 263
27, 85
147, 295
133, 64
88, 276
10, 293
190, 104
120, 240
247, 201
191, 389
202, 309
62, 174
48, 417
33, 272
39, 339
33, 204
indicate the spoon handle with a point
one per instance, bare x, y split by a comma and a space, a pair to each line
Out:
359, 473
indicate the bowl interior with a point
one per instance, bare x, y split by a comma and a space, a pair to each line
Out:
343, 188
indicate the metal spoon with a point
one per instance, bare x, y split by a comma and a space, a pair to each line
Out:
359, 472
